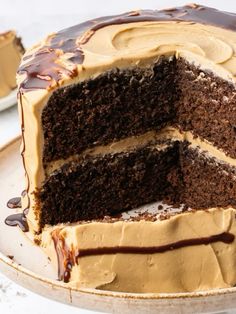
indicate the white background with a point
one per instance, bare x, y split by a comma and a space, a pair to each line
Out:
33, 20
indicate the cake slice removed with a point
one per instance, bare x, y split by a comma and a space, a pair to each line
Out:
11, 51
148, 250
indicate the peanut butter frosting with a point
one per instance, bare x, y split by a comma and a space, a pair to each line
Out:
11, 52
138, 34
190, 251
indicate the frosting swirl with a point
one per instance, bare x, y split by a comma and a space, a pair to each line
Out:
62, 55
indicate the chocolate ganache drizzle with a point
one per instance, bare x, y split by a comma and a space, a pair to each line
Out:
223, 237
18, 219
42, 71
65, 257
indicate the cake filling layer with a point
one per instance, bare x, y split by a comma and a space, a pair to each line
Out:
166, 134
125, 145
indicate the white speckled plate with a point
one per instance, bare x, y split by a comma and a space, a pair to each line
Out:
31, 268
8, 101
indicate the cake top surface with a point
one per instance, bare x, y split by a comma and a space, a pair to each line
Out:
63, 55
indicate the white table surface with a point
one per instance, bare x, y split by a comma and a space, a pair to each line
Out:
33, 20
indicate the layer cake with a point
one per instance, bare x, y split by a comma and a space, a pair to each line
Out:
128, 110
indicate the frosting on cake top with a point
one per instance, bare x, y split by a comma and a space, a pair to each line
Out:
196, 29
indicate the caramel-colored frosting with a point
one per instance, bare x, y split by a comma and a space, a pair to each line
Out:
201, 35
138, 33
11, 52
183, 269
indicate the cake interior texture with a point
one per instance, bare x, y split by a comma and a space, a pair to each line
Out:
104, 149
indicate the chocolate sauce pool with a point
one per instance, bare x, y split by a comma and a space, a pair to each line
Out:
18, 219
14, 202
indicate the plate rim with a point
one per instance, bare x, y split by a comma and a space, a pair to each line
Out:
91, 291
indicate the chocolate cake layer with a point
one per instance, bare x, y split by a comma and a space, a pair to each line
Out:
122, 103
94, 187
115, 105
206, 106
207, 182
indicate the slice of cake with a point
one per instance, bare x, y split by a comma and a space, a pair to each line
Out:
11, 51
124, 111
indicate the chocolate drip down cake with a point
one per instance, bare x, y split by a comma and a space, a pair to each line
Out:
119, 114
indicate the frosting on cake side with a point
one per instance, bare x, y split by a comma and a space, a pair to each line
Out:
191, 251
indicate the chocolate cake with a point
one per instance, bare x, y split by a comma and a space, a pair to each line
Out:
125, 111
11, 51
